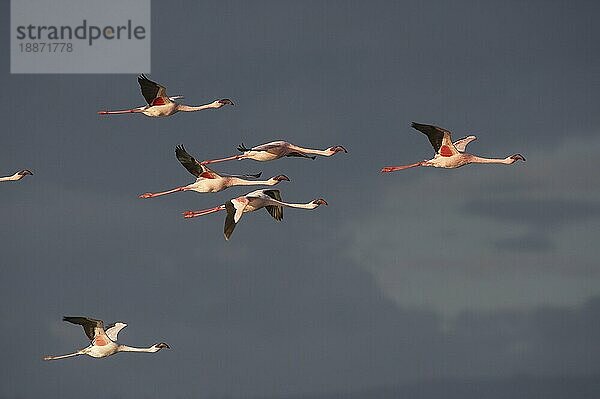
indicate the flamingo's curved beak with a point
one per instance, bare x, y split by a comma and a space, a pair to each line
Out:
282, 178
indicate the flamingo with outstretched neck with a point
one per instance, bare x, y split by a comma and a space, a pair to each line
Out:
450, 154
277, 149
236, 207
103, 341
160, 104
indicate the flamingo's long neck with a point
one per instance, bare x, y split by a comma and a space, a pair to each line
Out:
237, 181
325, 153
190, 108
308, 205
9, 178
15, 177
125, 348
476, 159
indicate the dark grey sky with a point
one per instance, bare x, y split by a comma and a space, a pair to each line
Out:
473, 274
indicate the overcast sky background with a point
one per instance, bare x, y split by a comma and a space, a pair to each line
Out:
480, 273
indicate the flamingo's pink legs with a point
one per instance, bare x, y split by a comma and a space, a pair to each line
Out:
221, 160
395, 168
150, 195
125, 111
193, 214
62, 356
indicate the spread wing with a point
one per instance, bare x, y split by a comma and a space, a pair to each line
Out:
440, 139
274, 210
235, 210
92, 327
199, 170
153, 91
461, 145
230, 220
190, 163
113, 330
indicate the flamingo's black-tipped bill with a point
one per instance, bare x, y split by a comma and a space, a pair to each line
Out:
281, 178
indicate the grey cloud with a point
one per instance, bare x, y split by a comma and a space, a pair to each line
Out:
543, 217
515, 387
538, 214
526, 243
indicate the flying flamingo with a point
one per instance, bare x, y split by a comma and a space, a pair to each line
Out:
103, 341
209, 181
278, 149
236, 207
159, 104
17, 176
448, 154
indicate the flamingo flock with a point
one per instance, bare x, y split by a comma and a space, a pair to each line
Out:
209, 181
103, 340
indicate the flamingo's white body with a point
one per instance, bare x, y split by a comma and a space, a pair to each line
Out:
160, 104
278, 149
17, 176
209, 181
450, 154
103, 342
268, 199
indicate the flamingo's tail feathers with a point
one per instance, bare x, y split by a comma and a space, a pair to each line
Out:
243, 148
